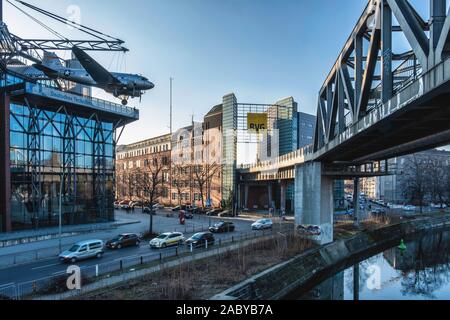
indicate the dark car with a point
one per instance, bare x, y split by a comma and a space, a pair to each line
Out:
124, 240
149, 211
223, 227
214, 212
199, 240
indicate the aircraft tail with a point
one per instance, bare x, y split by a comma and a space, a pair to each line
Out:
52, 61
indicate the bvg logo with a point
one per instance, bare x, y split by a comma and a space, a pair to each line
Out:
257, 122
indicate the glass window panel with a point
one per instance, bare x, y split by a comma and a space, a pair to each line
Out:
17, 140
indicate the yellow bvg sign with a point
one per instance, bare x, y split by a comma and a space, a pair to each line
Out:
257, 122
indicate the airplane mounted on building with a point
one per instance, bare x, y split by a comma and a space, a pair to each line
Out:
120, 85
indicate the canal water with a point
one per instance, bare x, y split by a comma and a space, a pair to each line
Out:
421, 272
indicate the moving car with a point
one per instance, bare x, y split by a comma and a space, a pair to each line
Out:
83, 250
124, 240
262, 224
167, 239
200, 239
222, 227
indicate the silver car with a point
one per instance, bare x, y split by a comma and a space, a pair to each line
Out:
83, 250
262, 224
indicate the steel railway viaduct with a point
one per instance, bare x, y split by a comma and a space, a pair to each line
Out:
376, 103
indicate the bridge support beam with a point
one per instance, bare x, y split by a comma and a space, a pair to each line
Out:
356, 194
283, 186
314, 200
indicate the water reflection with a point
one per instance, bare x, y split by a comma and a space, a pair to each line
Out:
421, 272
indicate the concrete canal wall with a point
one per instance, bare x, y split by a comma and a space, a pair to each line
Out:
315, 265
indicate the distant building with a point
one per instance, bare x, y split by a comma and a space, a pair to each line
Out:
389, 188
306, 126
135, 161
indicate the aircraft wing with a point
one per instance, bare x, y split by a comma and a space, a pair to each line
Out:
100, 75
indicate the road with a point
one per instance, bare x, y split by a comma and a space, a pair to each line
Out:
129, 256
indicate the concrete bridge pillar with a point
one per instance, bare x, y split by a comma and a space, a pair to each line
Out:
283, 186
356, 204
246, 196
270, 194
314, 200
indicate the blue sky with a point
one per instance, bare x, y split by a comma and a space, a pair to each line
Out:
262, 50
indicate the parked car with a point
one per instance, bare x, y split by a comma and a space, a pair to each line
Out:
158, 206
438, 206
136, 205
167, 239
124, 205
187, 214
116, 205
225, 214
262, 224
409, 208
214, 212
177, 208
223, 227
124, 240
83, 250
200, 239
147, 210
378, 212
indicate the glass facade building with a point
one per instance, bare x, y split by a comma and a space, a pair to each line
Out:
60, 147
63, 148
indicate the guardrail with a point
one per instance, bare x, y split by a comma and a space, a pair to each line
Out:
56, 284
24, 257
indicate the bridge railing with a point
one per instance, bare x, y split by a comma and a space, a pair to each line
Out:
404, 75
294, 157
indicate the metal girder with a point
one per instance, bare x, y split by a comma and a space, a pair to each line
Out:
371, 61
443, 46
99, 168
34, 159
69, 177
374, 81
59, 44
412, 29
348, 88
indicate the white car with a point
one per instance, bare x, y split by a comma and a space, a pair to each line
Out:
167, 239
409, 208
262, 224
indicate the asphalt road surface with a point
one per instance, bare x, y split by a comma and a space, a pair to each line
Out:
129, 256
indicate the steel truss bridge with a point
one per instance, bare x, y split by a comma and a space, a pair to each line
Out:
375, 103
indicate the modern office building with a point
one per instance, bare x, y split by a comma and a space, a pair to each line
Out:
306, 126
56, 145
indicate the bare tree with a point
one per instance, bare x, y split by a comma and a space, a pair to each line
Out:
415, 181
179, 180
150, 182
203, 176
438, 175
